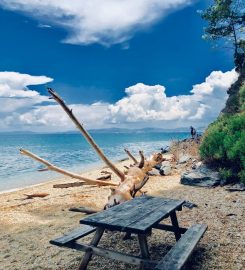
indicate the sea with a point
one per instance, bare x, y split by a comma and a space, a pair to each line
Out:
69, 151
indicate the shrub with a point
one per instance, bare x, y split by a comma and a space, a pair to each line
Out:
223, 146
242, 97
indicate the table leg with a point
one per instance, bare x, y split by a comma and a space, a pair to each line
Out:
143, 247
88, 254
175, 225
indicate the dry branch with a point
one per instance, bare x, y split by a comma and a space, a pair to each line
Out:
67, 185
142, 160
131, 182
52, 167
131, 156
105, 172
36, 195
86, 134
83, 209
104, 177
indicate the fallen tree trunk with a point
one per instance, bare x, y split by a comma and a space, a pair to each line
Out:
131, 181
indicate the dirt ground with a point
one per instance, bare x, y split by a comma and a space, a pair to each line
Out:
27, 225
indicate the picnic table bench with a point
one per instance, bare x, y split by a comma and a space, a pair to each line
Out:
137, 216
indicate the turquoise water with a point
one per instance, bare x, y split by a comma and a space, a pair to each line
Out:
69, 151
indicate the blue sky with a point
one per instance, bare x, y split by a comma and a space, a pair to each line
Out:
93, 60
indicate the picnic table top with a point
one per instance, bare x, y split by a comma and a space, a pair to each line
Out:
138, 215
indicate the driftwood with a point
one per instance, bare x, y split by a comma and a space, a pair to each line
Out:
105, 172
67, 185
130, 182
52, 167
131, 156
104, 177
83, 209
86, 134
36, 195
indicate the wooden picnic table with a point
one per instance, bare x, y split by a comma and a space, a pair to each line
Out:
137, 216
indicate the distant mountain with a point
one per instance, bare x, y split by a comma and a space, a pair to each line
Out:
115, 130
144, 130
17, 132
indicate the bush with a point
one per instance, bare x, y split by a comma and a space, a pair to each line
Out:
223, 146
242, 97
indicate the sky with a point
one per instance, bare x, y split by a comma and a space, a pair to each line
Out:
117, 63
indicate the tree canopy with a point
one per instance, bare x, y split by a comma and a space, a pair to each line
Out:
226, 20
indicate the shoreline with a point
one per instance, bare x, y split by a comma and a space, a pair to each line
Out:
91, 167
27, 225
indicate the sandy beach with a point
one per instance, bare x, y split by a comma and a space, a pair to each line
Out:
27, 225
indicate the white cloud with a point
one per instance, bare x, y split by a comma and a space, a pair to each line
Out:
96, 21
52, 117
143, 106
145, 103
15, 96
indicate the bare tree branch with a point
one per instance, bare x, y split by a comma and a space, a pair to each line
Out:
86, 134
52, 167
142, 160
131, 156
136, 188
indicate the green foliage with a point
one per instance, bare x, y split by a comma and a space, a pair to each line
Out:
226, 21
242, 97
223, 145
226, 174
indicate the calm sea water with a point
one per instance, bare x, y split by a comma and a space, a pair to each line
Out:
69, 151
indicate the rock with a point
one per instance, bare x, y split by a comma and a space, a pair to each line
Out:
189, 204
199, 164
158, 166
154, 172
165, 171
166, 164
184, 159
202, 176
236, 187
196, 164
165, 168
165, 149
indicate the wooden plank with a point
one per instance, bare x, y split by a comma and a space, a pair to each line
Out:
104, 218
114, 255
122, 216
138, 213
168, 228
178, 255
73, 235
112, 213
155, 216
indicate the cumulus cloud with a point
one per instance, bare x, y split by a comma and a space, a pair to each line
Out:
150, 103
15, 94
96, 21
53, 118
143, 105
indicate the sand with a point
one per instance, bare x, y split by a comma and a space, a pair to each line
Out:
27, 225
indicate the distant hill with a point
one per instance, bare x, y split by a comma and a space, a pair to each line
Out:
115, 130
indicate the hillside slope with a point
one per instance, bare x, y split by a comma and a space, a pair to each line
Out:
223, 142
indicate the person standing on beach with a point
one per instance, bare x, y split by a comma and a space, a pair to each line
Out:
193, 132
